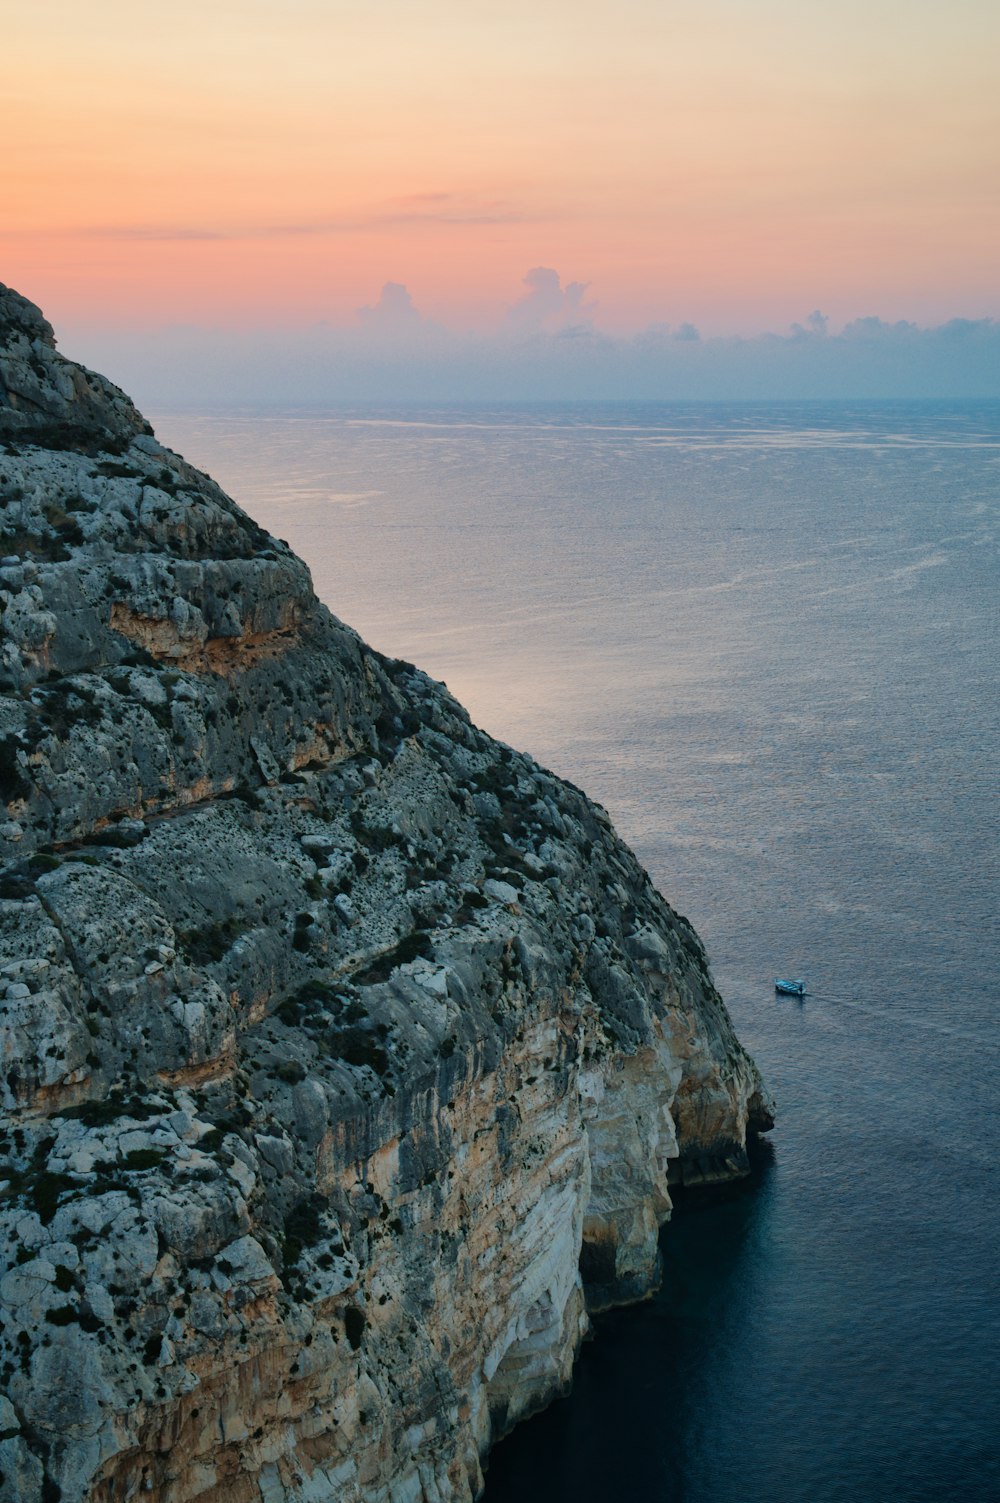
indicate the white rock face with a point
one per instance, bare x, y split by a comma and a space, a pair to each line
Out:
347, 1056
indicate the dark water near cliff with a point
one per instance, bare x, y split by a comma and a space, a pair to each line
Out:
766, 639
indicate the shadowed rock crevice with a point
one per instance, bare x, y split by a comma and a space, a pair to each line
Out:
347, 1055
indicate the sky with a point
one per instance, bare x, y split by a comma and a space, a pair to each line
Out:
407, 172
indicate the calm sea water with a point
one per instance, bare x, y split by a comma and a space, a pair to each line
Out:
765, 638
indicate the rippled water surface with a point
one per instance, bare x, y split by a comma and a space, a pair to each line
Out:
766, 639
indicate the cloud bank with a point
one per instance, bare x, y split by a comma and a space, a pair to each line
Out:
550, 306
548, 348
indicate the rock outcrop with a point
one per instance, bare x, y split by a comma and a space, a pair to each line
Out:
347, 1055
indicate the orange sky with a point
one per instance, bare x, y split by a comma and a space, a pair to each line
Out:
732, 162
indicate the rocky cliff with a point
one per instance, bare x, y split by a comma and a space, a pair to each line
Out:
347, 1055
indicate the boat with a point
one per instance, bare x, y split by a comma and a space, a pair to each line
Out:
790, 988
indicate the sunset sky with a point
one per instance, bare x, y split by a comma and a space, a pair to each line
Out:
735, 163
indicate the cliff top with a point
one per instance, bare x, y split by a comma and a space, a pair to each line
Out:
51, 400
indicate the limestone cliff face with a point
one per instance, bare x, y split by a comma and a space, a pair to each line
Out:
347, 1055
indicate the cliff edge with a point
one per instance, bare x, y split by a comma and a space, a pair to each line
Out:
347, 1055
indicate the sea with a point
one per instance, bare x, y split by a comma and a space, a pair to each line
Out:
765, 638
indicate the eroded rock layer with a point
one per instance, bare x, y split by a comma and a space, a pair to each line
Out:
347, 1055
